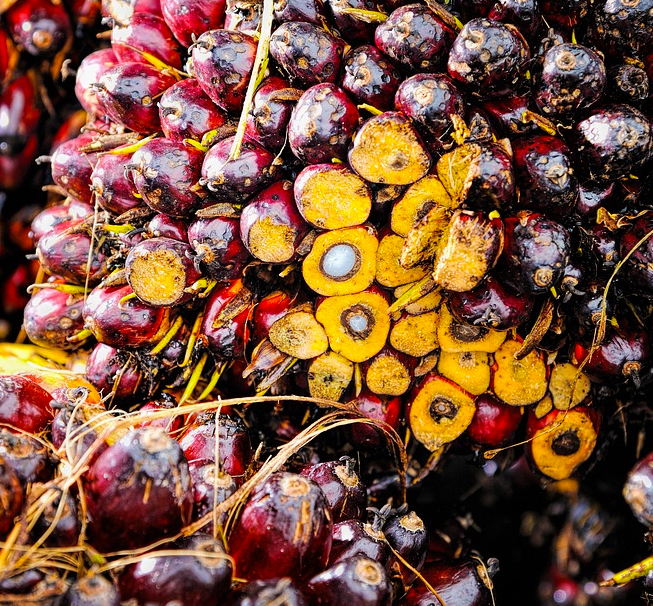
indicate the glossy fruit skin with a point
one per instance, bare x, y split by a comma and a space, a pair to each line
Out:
68, 424
354, 537
89, 72
488, 57
267, 591
40, 27
322, 124
414, 38
637, 490
222, 63
494, 423
71, 169
146, 459
190, 18
354, 31
269, 115
387, 410
162, 225
407, 534
93, 590
628, 83
310, 11
114, 371
623, 27
24, 404
306, 53
113, 189
525, 15
638, 267
191, 580
20, 113
211, 486
52, 216
265, 542
28, 457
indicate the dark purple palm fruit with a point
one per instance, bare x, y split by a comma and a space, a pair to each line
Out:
492, 305
270, 113
89, 72
638, 490
639, 267
40, 27
524, 14
114, 371
309, 11
271, 226
506, 114
407, 534
118, 318
162, 225
211, 486
360, 580
623, 27
488, 57
95, 590
613, 142
284, 529
628, 83
114, 191
345, 493
415, 38
11, 497
588, 308
238, 178
128, 93
430, 100
266, 592
59, 518
51, 316
369, 77
192, 580
189, 19
544, 174
603, 246
146, 35
64, 252
219, 252
71, 168
138, 491
355, 537
223, 63
535, 254
572, 78
28, 457
350, 27
591, 197
564, 14
306, 53
186, 111
164, 173
322, 124
51, 216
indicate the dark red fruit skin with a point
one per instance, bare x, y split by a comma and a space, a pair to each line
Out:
15, 168
430, 100
494, 423
24, 404
414, 38
457, 581
492, 304
162, 225
51, 316
354, 537
128, 93
230, 441
238, 178
265, 592
639, 268
61, 521
270, 113
613, 142
11, 497
114, 191
190, 18
52, 216
341, 485
222, 63
525, 15
186, 111
565, 14
173, 424
407, 534
369, 77
191, 580
310, 11
132, 324
603, 245
363, 581
70, 424
114, 371
40, 27
88, 73
21, 111
379, 408
545, 175
219, 252
506, 115
138, 491
284, 529
144, 35
306, 53
28, 457
268, 310
8, 55
93, 590
488, 57
226, 337
591, 197
493, 183
211, 486
121, 11
244, 18
353, 30
322, 124
623, 28
72, 169
163, 172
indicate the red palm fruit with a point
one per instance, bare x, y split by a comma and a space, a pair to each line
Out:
20, 113
114, 371
51, 216
138, 491
188, 19
265, 592
90, 70
310, 11
378, 408
407, 534
222, 63
353, 30
120, 324
191, 580
24, 404
8, 55
525, 14
15, 168
368, 76
59, 519
307, 53
223, 436
270, 113
415, 38
354, 537
93, 590
637, 490
322, 124
128, 93
72, 168
11, 497
218, 250
284, 529
114, 191
172, 424
268, 310
144, 35
27, 456
506, 114
51, 316
41, 27
638, 267
562, 441
211, 486
271, 227
623, 28
494, 423
121, 11
341, 485
245, 18
565, 14
362, 580
165, 226
236, 179
225, 328
71, 428
186, 112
